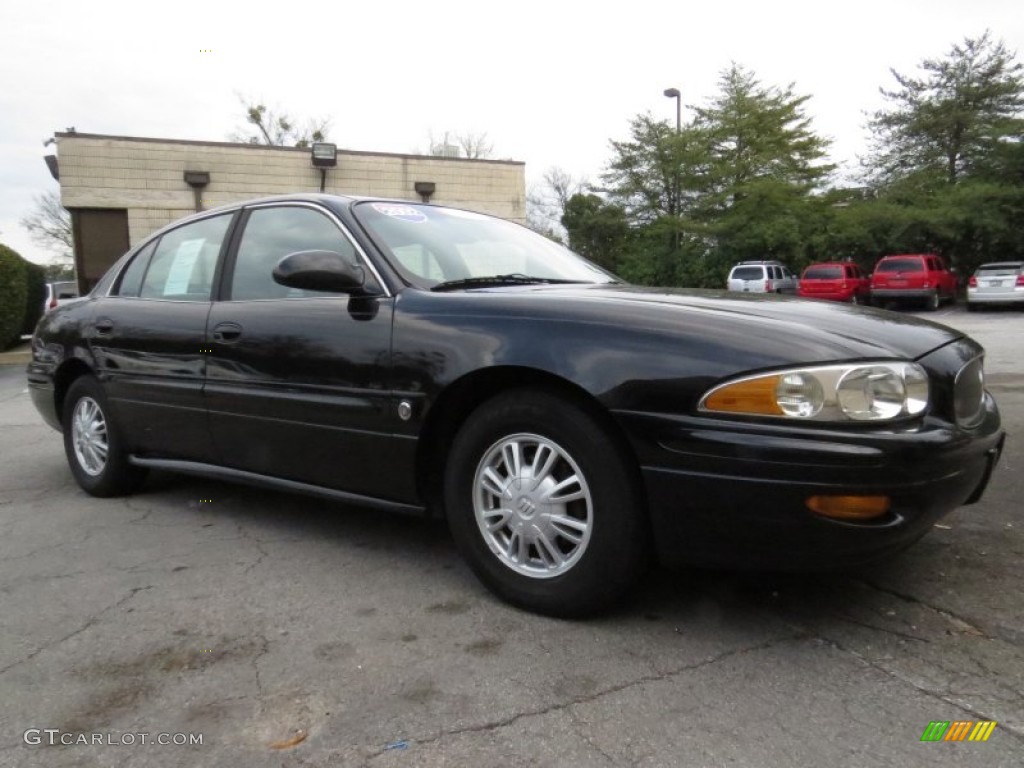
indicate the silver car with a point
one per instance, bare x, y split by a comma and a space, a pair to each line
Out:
999, 282
761, 277
59, 293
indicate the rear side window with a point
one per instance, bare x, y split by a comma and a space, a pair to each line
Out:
901, 265
131, 278
748, 273
183, 265
823, 273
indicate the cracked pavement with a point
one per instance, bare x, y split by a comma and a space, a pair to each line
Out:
293, 632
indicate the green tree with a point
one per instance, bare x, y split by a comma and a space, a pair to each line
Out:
13, 296
765, 164
657, 172
738, 181
758, 134
597, 229
947, 161
944, 122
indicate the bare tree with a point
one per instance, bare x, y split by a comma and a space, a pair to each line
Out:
276, 128
49, 226
546, 201
474, 146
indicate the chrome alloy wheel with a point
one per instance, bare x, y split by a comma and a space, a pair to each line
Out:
89, 436
533, 505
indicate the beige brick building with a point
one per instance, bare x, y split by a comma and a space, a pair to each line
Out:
120, 189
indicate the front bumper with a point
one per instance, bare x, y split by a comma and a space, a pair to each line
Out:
728, 493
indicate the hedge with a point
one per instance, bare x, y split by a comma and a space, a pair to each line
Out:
13, 296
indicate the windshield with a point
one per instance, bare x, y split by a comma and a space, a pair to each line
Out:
430, 245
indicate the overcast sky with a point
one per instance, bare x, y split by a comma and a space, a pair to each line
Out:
549, 82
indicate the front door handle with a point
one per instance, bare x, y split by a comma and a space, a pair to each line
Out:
104, 326
227, 333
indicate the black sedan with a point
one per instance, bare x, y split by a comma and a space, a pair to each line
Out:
570, 427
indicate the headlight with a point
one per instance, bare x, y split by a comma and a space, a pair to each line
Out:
858, 392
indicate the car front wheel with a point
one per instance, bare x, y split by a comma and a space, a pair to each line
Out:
543, 505
93, 444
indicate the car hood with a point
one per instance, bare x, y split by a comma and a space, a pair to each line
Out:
777, 327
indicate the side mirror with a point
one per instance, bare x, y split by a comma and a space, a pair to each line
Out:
319, 271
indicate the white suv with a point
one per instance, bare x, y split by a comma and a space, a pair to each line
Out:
761, 277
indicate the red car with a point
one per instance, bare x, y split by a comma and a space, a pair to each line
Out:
835, 281
922, 277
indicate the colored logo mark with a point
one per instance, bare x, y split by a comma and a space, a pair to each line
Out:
958, 730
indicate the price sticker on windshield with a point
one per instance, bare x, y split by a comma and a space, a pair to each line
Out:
403, 212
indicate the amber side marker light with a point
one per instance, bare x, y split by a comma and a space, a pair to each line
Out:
752, 396
849, 507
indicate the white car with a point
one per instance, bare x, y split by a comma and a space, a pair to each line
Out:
59, 293
761, 277
998, 282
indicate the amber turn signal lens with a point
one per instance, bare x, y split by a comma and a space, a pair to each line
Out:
849, 507
750, 396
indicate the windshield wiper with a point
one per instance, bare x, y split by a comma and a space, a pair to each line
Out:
490, 280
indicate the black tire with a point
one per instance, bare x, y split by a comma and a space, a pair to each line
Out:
98, 475
932, 302
596, 571
972, 307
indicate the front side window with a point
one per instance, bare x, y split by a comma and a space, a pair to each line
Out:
183, 265
270, 235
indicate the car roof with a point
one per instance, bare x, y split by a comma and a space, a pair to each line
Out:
909, 256
330, 200
831, 264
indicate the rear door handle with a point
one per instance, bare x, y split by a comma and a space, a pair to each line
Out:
227, 333
104, 326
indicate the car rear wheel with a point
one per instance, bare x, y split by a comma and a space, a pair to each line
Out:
932, 302
93, 443
544, 506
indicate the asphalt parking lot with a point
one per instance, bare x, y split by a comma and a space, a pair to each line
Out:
285, 631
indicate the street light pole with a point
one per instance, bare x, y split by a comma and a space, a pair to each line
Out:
673, 93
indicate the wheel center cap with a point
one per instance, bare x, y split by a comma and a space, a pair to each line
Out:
526, 507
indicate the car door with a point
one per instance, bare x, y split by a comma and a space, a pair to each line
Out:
148, 336
297, 381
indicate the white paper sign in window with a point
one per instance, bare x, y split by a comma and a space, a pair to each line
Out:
180, 274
